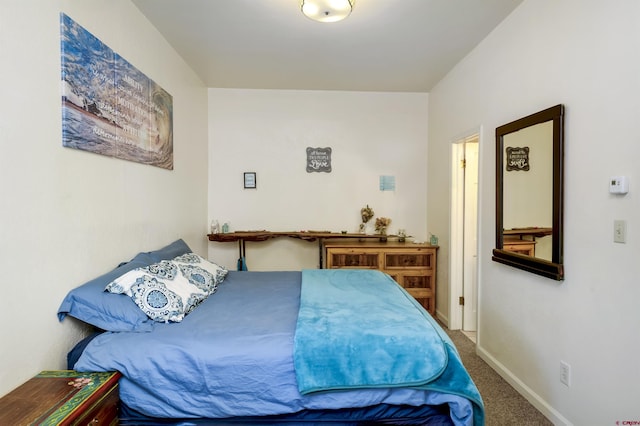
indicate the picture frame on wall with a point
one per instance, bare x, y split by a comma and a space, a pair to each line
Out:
250, 181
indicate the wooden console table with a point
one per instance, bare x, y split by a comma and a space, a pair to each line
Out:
243, 236
533, 232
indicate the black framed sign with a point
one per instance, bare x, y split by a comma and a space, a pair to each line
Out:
250, 181
517, 158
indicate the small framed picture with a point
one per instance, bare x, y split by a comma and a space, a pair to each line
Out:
250, 181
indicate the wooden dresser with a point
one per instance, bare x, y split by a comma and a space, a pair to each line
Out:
413, 266
525, 247
63, 397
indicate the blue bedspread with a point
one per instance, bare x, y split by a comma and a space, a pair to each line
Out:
359, 329
233, 356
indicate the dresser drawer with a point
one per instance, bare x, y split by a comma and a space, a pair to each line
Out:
408, 281
103, 412
352, 259
420, 293
408, 260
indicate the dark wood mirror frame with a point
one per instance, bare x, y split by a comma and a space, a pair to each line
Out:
551, 269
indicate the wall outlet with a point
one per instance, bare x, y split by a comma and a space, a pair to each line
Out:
565, 373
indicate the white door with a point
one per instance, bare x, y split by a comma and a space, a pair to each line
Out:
463, 238
470, 274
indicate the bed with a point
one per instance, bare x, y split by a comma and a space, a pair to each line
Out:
292, 347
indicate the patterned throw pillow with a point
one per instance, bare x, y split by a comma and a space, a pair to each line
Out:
200, 272
170, 289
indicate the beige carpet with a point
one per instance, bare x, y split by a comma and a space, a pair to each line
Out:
503, 405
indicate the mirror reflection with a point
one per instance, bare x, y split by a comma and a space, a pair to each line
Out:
528, 185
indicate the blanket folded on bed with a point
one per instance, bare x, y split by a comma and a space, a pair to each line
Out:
360, 329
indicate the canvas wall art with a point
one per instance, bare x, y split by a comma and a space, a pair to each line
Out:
109, 107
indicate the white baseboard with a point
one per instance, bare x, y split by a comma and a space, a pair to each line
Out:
547, 410
443, 319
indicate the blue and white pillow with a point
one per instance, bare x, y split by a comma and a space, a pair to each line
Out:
200, 272
170, 289
156, 300
91, 304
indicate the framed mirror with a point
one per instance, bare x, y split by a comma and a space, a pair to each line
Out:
529, 193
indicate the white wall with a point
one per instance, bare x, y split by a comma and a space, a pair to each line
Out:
268, 131
583, 54
68, 216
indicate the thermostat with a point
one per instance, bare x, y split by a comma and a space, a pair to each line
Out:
619, 185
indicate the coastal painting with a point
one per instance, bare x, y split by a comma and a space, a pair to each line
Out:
109, 107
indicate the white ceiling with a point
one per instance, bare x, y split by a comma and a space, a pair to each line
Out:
385, 45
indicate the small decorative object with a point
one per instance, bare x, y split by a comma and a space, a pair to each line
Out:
215, 227
250, 180
433, 240
402, 235
366, 213
318, 160
381, 227
80, 382
225, 228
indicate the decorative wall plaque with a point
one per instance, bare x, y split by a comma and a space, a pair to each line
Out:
517, 158
318, 160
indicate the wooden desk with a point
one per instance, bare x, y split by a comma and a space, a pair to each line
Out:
243, 236
63, 397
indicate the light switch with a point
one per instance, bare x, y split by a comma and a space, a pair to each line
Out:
619, 231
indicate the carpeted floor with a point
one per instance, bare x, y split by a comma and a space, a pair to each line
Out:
503, 405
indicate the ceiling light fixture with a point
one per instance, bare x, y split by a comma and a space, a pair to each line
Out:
327, 10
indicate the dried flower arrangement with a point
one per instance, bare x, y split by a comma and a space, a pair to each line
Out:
381, 224
366, 213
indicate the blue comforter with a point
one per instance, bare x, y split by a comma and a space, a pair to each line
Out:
233, 356
359, 329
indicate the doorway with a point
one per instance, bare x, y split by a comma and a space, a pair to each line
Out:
464, 234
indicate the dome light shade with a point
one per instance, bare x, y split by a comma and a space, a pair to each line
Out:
327, 10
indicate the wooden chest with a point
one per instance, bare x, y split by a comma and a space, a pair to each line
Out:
63, 397
413, 266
